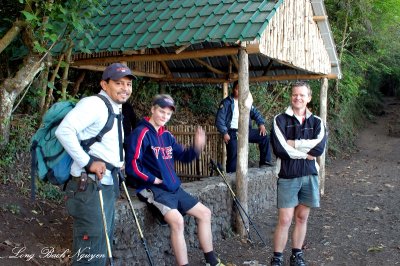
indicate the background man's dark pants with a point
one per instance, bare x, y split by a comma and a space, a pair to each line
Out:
254, 137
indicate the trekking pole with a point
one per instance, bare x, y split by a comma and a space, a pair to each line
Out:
237, 202
99, 189
136, 219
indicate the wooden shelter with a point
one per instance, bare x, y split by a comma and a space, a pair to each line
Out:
199, 41
203, 42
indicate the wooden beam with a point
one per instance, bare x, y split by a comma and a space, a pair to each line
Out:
268, 67
182, 48
292, 77
251, 80
235, 61
131, 52
209, 67
320, 18
134, 72
163, 64
214, 52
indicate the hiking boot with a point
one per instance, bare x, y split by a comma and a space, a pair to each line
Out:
297, 259
218, 264
277, 261
266, 164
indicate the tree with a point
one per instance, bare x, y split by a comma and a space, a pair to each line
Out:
368, 39
43, 29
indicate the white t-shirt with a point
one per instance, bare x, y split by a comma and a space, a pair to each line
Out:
235, 115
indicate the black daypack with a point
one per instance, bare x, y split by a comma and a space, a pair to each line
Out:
49, 160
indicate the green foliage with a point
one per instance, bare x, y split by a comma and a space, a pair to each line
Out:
203, 101
270, 99
54, 21
20, 136
48, 191
15, 167
13, 208
367, 36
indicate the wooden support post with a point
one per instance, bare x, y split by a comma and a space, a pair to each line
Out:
245, 102
323, 114
225, 93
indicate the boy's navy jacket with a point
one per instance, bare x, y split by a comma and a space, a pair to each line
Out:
310, 139
152, 154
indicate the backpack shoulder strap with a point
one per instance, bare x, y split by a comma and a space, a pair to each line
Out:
110, 121
107, 127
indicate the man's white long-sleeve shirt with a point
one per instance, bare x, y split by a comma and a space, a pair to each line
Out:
84, 121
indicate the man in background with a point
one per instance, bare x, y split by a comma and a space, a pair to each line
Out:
227, 122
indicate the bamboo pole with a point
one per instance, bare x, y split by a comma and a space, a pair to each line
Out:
323, 115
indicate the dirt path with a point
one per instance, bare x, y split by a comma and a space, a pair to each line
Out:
359, 219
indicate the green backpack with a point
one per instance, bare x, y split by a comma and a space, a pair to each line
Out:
48, 158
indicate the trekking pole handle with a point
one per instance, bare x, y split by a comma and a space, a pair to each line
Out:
98, 183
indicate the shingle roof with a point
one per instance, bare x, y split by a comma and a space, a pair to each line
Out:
137, 24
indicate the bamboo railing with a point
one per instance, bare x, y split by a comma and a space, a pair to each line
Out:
198, 168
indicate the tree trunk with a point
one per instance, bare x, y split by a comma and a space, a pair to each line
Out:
341, 50
11, 88
44, 78
64, 81
49, 97
245, 102
78, 83
10, 35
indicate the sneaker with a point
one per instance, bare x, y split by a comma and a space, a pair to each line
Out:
277, 261
218, 264
297, 259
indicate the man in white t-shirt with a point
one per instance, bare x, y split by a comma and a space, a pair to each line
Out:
227, 124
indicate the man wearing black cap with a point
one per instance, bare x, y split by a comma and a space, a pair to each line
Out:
83, 122
151, 153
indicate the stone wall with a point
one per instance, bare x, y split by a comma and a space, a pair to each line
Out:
128, 248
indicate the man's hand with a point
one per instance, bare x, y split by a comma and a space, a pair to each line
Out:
226, 138
310, 157
262, 129
199, 139
291, 142
157, 181
98, 168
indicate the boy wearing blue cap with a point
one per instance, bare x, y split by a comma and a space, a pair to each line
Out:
151, 152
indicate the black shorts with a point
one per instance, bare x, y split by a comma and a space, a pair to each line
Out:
166, 200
